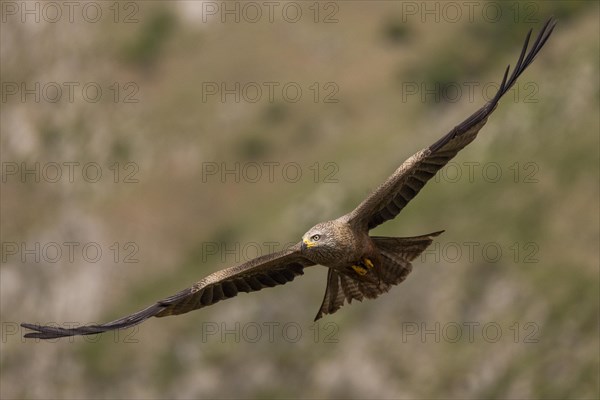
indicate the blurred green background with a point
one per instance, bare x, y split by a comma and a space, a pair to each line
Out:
522, 323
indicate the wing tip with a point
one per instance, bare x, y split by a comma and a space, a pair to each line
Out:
526, 58
46, 332
438, 233
53, 332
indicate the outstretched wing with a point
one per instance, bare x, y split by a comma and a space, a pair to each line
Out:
394, 194
262, 272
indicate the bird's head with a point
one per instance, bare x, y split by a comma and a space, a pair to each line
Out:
319, 236
323, 243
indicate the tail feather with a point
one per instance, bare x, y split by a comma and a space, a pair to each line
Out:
351, 288
334, 295
396, 255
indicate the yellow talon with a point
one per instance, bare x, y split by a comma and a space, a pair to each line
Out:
368, 262
359, 270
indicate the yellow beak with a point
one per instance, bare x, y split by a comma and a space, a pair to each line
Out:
308, 243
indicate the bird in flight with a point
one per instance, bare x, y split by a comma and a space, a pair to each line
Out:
359, 265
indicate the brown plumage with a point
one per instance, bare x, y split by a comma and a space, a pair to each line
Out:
360, 266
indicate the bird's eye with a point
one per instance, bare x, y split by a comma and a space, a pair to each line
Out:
315, 238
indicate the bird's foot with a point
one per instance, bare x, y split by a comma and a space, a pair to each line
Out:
359, 270
368, 263
364, 267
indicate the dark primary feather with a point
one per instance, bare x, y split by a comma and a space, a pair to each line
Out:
394, 194
266, 271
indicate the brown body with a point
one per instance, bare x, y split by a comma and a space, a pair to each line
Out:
377, 264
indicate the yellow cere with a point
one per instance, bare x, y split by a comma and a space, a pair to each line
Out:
308, 243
